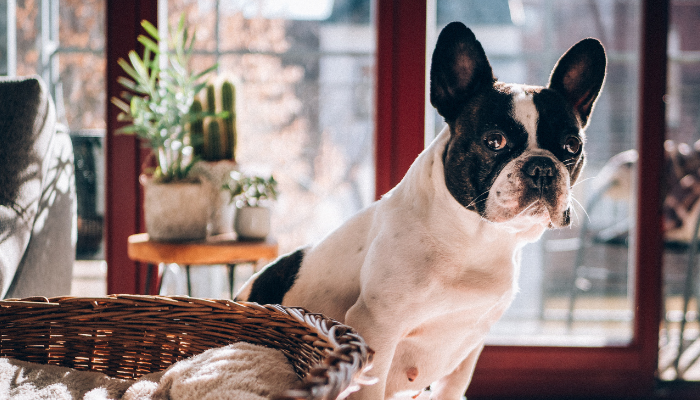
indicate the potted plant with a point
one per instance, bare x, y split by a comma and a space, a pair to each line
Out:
158, 108
252, 194
214, 141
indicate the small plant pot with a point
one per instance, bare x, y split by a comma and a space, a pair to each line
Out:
176, 211
252, 223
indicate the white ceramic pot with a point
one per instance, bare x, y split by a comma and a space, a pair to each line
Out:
176, 211
252, 222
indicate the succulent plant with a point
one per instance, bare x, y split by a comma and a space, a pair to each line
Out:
251, 190
158, 103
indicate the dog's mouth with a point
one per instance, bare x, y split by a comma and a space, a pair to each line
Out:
521, 205
537, 212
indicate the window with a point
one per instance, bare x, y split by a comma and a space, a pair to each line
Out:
576, 284
616, 351
621, 370
63, 42
305, 104
678, 354
304, 80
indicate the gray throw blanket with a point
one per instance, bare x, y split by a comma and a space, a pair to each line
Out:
241, 371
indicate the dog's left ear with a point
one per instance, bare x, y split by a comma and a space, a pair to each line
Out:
579, 76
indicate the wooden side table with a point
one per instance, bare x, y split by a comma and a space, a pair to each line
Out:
219, 249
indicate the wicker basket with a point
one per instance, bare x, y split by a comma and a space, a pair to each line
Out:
127, 336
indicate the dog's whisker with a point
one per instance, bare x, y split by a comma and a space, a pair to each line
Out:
527, 208
476, 200
582, 209
581, 181
578, 218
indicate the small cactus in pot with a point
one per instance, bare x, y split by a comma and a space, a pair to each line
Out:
215, 138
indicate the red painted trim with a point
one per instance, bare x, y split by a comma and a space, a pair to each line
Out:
384, 117
123, 153
652, 126
400, 89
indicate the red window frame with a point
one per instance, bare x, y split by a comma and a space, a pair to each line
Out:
123, 153
502, 370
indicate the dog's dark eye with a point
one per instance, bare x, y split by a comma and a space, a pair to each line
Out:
495, 140
572, 145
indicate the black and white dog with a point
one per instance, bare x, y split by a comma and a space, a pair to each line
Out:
423, 273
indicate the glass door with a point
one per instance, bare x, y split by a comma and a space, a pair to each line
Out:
679, 353
576, 284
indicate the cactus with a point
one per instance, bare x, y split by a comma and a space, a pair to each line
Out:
213, 141
197, 130
228, 104
218, 134
211, 99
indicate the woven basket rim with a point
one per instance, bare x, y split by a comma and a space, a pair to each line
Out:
345, 357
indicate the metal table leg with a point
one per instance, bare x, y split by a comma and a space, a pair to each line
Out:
189, 281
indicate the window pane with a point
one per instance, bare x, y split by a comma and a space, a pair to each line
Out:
575, 283
679, 344
305, 110
63, 42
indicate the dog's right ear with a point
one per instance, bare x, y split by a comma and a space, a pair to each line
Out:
459, 68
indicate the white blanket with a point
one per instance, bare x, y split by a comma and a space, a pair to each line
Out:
241, 371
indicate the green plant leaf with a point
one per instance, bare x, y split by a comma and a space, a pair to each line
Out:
130, 129
152, 30
148, 44
131, 85
139, 67
206, 71
189, 49
121, 104
127, 68
198, 88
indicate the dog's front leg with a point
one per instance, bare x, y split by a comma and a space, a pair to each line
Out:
453, 386
379, 333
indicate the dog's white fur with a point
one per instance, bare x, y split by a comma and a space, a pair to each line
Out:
420, 276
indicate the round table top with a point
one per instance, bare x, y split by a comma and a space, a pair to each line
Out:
219, 249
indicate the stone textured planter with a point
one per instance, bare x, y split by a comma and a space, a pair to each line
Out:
176, 211
252, 223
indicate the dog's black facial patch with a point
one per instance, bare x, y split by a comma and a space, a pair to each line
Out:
558, 128
276, 279
470, 165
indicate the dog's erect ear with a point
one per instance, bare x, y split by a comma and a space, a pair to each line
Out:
579, 76
459, 68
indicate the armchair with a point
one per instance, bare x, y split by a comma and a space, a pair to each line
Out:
38, 227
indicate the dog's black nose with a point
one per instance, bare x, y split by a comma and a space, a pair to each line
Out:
540, 170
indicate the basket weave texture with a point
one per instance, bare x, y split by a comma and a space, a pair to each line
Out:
127, 336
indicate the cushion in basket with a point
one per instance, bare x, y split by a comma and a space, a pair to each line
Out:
240, 371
